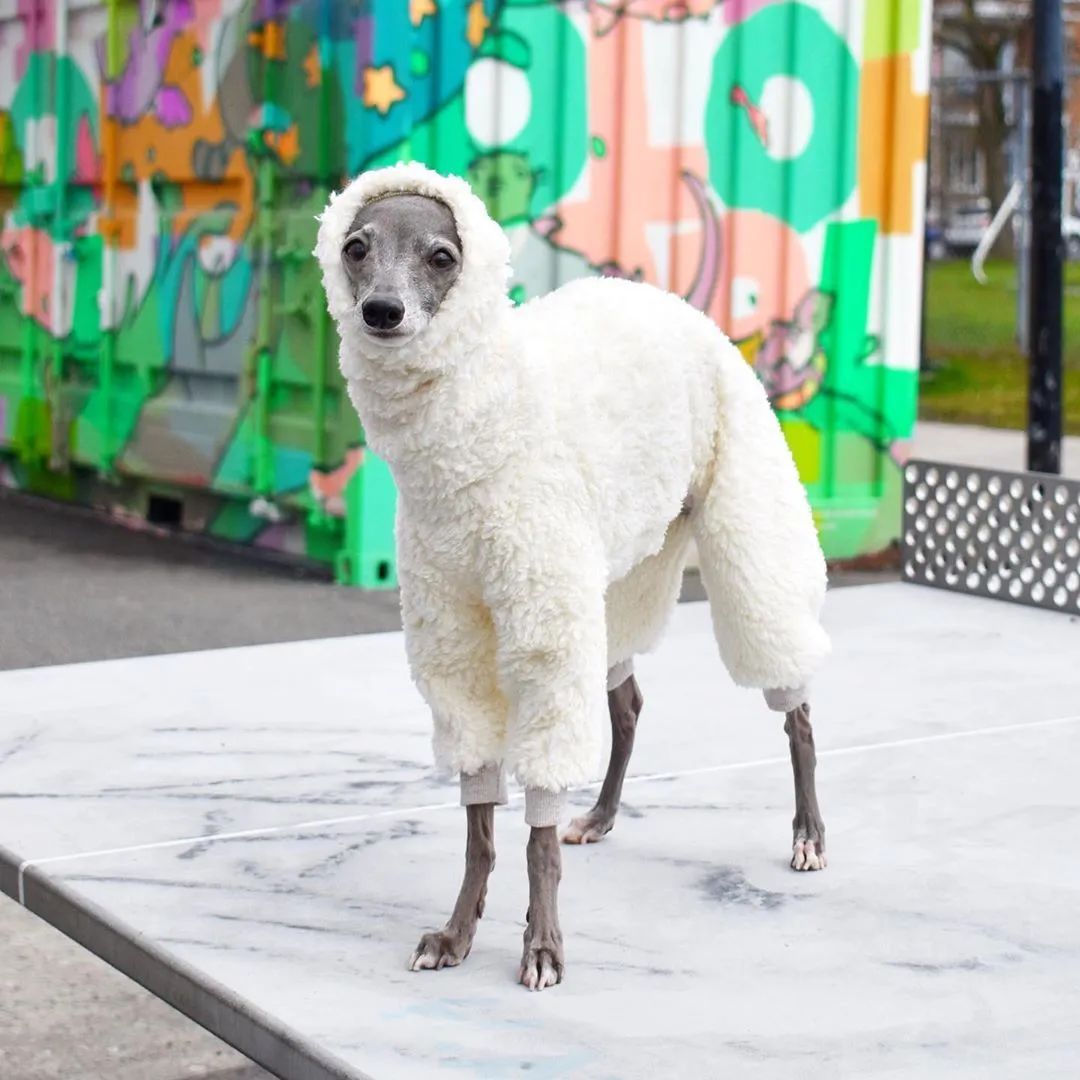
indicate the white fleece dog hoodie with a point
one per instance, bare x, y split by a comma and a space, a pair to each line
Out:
543, 455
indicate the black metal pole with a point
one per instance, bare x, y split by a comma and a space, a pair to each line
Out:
928, 200
1046, 282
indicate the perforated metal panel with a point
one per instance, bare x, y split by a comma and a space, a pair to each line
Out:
1011, 536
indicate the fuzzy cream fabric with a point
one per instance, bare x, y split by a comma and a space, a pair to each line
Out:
542, 456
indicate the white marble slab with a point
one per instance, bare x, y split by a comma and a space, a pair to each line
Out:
941, 941
127, 752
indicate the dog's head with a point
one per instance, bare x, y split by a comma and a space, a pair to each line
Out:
401, 255
410, 258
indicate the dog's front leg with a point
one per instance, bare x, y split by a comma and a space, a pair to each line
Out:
542, 957
449, 946
552, 658
451, 647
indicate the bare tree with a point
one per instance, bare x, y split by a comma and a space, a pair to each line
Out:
981, 31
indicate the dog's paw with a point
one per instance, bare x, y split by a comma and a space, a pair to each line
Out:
540, 968
438, 950
589, 828
808, 854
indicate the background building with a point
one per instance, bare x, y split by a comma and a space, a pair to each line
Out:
980, 118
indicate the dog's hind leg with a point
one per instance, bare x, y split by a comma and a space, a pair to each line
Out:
637, 610
449, 946
764, 572
808, 840
624, 706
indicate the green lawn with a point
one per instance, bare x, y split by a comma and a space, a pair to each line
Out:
980, 376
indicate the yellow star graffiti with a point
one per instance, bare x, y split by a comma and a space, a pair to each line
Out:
477, 24
312, 67
286, 143
269, 39
419, 10
381, 90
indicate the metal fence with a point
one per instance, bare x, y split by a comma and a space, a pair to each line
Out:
1005, 535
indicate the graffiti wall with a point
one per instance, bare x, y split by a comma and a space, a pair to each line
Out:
164, 350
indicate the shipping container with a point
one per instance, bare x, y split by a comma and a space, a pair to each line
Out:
165, 351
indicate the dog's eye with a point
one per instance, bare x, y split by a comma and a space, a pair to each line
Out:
442, 259
355, 250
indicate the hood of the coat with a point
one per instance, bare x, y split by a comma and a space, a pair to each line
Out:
474, 300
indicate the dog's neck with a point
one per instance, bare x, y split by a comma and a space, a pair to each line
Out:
441, 411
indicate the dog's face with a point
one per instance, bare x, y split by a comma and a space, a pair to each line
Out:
402, 254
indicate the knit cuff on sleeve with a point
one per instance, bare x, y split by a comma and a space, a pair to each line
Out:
488, 785
543, 808
784, 701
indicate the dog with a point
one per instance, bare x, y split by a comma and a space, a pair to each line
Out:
553, 462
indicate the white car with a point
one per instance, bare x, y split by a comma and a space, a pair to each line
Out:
968, 222
1070, 230
965, 225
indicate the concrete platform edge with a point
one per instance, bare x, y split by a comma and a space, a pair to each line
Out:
214, 1007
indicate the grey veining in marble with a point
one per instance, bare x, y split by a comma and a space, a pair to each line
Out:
942, 940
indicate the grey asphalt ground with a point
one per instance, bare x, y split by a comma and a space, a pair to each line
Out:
74, 588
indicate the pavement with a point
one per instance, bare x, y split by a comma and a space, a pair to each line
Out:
65, 1014
989, 448
86, 589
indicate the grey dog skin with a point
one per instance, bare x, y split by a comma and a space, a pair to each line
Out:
449, 946
624, 708
399, 235
542, 956
404, 250
808, 849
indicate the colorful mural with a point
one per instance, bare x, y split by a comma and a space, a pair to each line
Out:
164, 349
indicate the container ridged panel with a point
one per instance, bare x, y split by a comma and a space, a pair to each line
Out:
162, 326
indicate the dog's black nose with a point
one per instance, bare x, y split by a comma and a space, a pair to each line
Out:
383, 312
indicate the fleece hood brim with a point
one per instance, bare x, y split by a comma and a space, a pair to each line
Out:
485, 269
